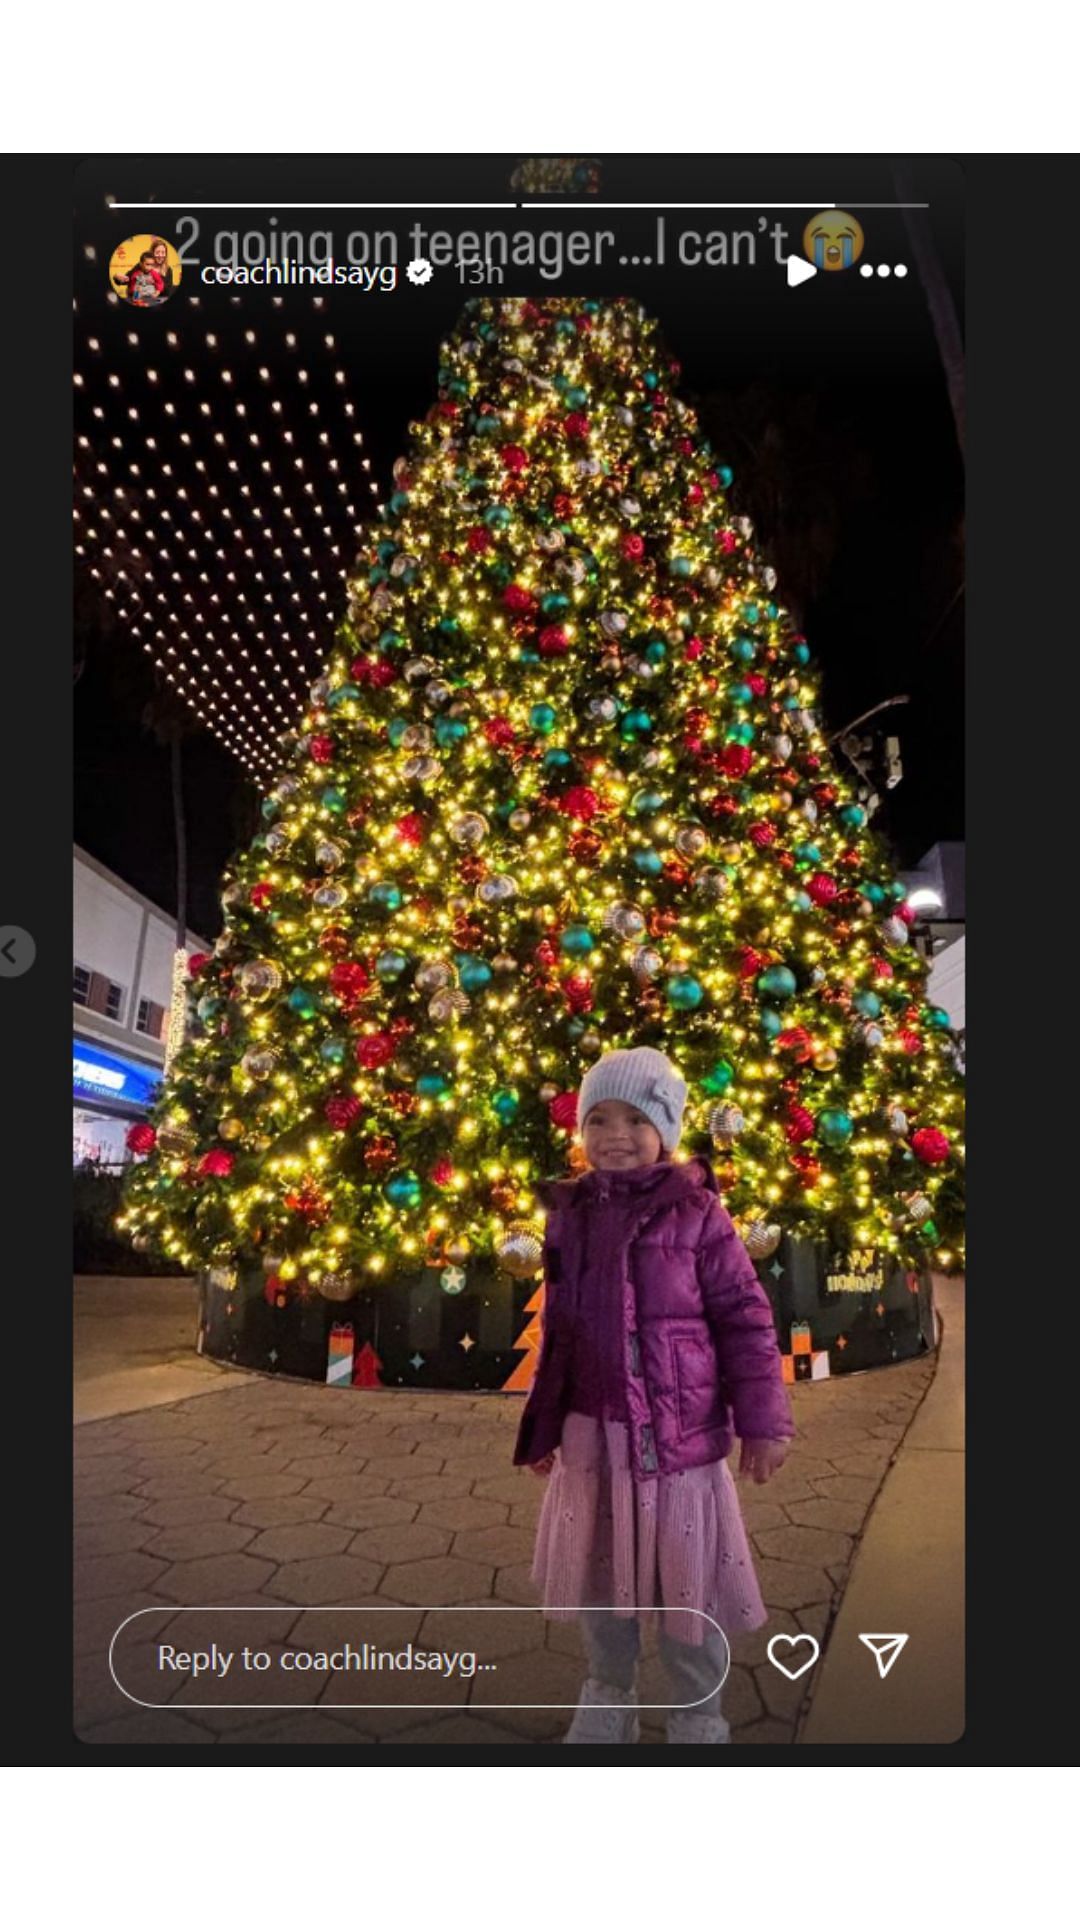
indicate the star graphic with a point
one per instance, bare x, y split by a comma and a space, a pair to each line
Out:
777, 1270
466, 1342
417, 1361
272, 1356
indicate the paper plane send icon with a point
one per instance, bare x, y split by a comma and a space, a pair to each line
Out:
885, 1647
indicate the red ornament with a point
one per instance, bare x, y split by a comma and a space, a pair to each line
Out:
380, 1153
217, 1163
563, 505
410, 829
514, 458
694, 647
825, 794
261, 894
807, 1168
581, 803
931, 1146
402, 1101
757, 684
545, 956
632, 547
321, 748
736, 761
576, 426
342, 1111
334, 940
882, 969
348, 980
479, 540
797, 1044
375, 1049
382, 673
822, 889
563, 1111
694, 493
579, 992
723, 806
141, 1138
725, 538
196, 963
906, 913
751, 963
553, 640
911, 1043
677, 872
499, 732
308, 1201
800, 1125
763, 833
442, 1172
518, 600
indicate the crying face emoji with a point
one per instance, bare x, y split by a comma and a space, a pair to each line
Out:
833, 240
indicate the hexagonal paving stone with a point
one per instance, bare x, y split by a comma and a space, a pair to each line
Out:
145, 1728
280, 1513
514, 1584
844, 1486
94, 1622
397, 1466
373, 1441
785, 1584
465, 1729
494, 1630
265, 1486
175, 1447
96, 1695
832, 1516
117, 1573
304, 1448
111, 1536
199, 1542
810, 1546
783, 1697
765, 1733
358, 1512
327, 1581
189, 1486
114, 1474
193, 1512
96, 1444
531, 1692
353, 1620
496, 1546
464, 1512
430, 1486
438, 1582
317, 1727
93, 1509
226, 1579
395, 1543
750, 1649
304, 1541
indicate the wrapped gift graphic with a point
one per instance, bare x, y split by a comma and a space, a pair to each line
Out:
804, 1362
339, 1359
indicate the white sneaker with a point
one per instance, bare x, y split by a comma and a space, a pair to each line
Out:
688, 1728
606, 1717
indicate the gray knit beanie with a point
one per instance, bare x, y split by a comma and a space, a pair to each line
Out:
646, 1079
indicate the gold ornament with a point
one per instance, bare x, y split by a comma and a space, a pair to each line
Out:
339, 1286
469, 830
760, 1238
520, 819
825, 1059
504, 963
726, 1122
443, 1006
919, 1207
231, 1129
457, 1251
548, 1091
691, 840
175, 1137
433, 975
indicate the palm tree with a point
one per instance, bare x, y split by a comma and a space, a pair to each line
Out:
938, 293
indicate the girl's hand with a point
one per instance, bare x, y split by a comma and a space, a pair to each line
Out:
542, 1467
762, 1458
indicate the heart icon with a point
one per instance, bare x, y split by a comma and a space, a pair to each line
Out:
791, 1641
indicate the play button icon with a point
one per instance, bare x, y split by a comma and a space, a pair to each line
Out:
799, 270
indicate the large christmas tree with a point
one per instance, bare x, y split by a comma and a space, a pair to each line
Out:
563, 786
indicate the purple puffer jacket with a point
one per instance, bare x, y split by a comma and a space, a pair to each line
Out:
700, 1358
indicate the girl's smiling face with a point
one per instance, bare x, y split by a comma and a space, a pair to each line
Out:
617, 1135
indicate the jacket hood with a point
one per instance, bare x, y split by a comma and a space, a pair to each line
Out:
665, 1183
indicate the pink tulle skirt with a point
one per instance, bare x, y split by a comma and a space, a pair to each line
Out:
677, 1540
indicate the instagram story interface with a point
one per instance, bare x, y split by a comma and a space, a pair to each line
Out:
518, 987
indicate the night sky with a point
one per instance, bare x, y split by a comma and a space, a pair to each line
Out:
828, 401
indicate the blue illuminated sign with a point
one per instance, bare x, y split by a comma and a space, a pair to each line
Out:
98, 1075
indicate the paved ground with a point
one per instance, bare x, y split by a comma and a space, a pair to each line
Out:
282, 1494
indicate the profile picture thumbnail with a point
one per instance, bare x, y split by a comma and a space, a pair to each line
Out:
145, 270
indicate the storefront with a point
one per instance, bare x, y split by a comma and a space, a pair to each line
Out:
109, 1091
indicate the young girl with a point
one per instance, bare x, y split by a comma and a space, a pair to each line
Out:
658, 1348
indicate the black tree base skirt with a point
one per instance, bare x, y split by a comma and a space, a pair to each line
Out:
833, 1316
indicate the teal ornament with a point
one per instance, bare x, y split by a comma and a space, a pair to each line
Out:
567, 326
432, 1086
575, 1029
744, 651
808, 855
634, 723
395, 729
333, 1052
504, 1104
485, 423
853, 817
529, 655
556, 757
389, 642
391, 964
725, 476
867, 1004
449, 731
770, 1023
801, 901
343, 697
208, 1008
542, 718
403, 1189
719, 1077
472, 973
302, 1002
741, 694
652, 381
385, 894
835, 1126
269, 808
646, 860
897, 890
333, 800
656, 652
742, 733
750, 612
648, 801
576, 940
449, 627
498, 517
553, 603
872, 892
684, 991
937, 1017
681, 566
387, 549
779, 982
800, 652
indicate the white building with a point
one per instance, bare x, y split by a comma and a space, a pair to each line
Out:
936, 891
121, 991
